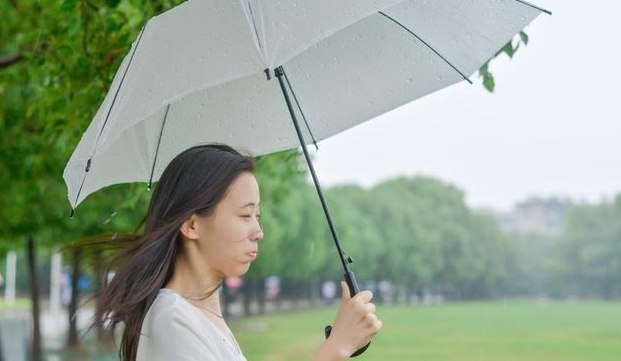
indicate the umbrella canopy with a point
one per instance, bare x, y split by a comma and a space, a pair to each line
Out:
204, 72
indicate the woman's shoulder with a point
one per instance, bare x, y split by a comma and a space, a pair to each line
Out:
166, 308
170, 330
165, 303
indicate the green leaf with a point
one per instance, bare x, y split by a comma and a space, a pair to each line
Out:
45, 80
64, 50
484, 69
508, 49
488, 82
112, 26
68, 5
39, 60
524, 37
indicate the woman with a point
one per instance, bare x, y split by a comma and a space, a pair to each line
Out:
202, 225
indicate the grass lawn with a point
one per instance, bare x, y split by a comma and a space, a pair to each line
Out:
499, 331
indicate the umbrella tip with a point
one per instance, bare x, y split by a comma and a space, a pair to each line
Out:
72, 212
267, 72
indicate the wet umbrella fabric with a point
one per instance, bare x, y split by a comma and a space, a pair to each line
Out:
204, 72
198, 73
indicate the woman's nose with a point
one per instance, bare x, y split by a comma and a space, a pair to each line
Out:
258, 234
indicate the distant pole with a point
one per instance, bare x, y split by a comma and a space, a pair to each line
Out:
55, 278
9, 291
72, 339
34, 295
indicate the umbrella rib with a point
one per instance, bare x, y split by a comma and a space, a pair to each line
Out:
88, 162
256, 33
429, 46
534, 6
157, 149
78, 196
299, 107
120, 84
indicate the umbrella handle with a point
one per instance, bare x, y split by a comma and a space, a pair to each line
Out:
328, 329
350, 279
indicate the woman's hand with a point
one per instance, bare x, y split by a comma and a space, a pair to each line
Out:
356, 323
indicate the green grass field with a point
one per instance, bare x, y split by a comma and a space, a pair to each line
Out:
515, 330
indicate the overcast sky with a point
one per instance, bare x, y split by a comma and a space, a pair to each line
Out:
552, 126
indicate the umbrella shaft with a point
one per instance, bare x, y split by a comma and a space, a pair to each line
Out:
279, 74
350, 279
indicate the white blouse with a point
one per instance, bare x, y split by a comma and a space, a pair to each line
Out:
175, 330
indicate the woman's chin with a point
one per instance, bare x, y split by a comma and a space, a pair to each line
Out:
240, 271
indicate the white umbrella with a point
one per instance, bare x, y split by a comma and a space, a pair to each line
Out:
205, 71
197, 74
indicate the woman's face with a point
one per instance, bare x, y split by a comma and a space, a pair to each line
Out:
227, 236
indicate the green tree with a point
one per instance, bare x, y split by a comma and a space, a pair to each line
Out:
589, 251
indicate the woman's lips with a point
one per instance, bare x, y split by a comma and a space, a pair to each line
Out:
252, 254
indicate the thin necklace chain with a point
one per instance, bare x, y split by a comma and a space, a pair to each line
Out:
206, 309
238, 350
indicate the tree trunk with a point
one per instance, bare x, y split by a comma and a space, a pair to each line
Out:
378, 295
278, 304
226, 299
104, 336
1, 352
247, 296
298, 286
72, 340
261, 294
253, 289
395, 294
408, 293
34, 295
314, 290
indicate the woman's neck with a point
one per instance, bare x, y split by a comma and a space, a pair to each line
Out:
193, 279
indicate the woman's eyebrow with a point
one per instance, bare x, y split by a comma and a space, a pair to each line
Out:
249, 204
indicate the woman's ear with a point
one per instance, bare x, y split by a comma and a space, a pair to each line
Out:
188, 228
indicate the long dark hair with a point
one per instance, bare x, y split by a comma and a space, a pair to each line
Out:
194, 182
